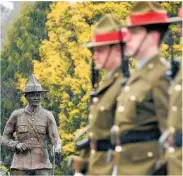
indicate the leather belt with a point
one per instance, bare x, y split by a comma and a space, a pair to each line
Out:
128, 138
140, 136
178, 139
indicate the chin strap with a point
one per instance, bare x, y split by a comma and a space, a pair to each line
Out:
108, 54
140, 45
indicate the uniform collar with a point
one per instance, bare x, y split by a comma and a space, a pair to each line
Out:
29, 109
142, 62
112, 72
148, 66
110, 78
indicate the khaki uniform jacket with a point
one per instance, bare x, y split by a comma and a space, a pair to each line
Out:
101, 119
142, 105
31, 128
175, 125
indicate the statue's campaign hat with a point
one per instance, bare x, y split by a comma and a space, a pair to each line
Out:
149, 13
33, 85
106, 32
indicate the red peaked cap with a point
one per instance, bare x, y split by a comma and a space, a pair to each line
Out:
110, 36
106, 32
147, 13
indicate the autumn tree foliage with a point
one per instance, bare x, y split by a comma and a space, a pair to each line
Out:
65, 63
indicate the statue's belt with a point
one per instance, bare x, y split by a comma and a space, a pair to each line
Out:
34, 143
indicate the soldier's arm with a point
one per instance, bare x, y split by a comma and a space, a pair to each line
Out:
161, 100
52, 129
7, 140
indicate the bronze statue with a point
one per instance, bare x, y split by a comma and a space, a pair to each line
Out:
32, 125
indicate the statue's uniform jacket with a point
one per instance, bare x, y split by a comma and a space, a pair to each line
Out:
31, 128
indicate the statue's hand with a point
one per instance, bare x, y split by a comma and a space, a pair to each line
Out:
57, 153
21, 147
57, 147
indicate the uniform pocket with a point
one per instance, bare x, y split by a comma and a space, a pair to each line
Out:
41, 129
104, 118
143, 151
22, 129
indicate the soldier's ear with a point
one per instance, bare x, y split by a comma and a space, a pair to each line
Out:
26, 96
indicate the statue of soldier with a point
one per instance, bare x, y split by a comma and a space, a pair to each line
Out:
106, 39
142, 106
32, 125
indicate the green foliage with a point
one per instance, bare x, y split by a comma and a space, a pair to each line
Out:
174, 41
20, 48
4, 170
65, 63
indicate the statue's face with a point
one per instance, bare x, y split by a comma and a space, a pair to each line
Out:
33, 98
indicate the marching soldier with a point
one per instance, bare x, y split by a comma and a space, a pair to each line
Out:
106, 49
143, 103
32, 124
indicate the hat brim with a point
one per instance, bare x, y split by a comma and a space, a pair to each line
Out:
170, 21
94, 44
35, 91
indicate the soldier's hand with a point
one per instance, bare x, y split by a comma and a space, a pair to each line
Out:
21, 147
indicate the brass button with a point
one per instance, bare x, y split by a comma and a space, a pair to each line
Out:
133, 98
121, 108
172, 130
115, 128
95, 100
127, 88
118, 149
171, 149
174, 108
102, 108
90, 116
178, 87
150, 154
31, 139
92, 151
150, 66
